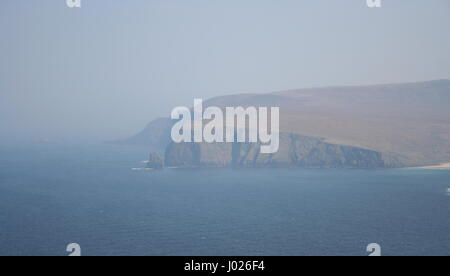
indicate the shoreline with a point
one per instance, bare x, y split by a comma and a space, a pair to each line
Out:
443, 166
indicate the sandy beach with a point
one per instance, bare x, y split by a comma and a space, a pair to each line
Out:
443, 166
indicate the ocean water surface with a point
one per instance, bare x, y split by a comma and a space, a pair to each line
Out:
53, 195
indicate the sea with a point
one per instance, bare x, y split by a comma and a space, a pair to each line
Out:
53, 195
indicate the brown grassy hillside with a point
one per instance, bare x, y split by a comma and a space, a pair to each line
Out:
410, 121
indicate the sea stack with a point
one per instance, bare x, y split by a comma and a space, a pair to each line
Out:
155, 161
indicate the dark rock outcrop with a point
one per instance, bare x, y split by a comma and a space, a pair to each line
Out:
155, 161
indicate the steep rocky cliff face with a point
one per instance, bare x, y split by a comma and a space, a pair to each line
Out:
295, 151
199, 155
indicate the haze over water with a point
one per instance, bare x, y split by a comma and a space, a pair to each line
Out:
53, 195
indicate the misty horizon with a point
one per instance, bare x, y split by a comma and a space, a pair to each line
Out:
104, 71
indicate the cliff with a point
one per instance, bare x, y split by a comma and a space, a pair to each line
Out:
295, 151
409, 121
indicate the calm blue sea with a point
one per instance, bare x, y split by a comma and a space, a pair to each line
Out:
53, 195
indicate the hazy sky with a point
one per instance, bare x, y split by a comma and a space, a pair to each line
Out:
104, 71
